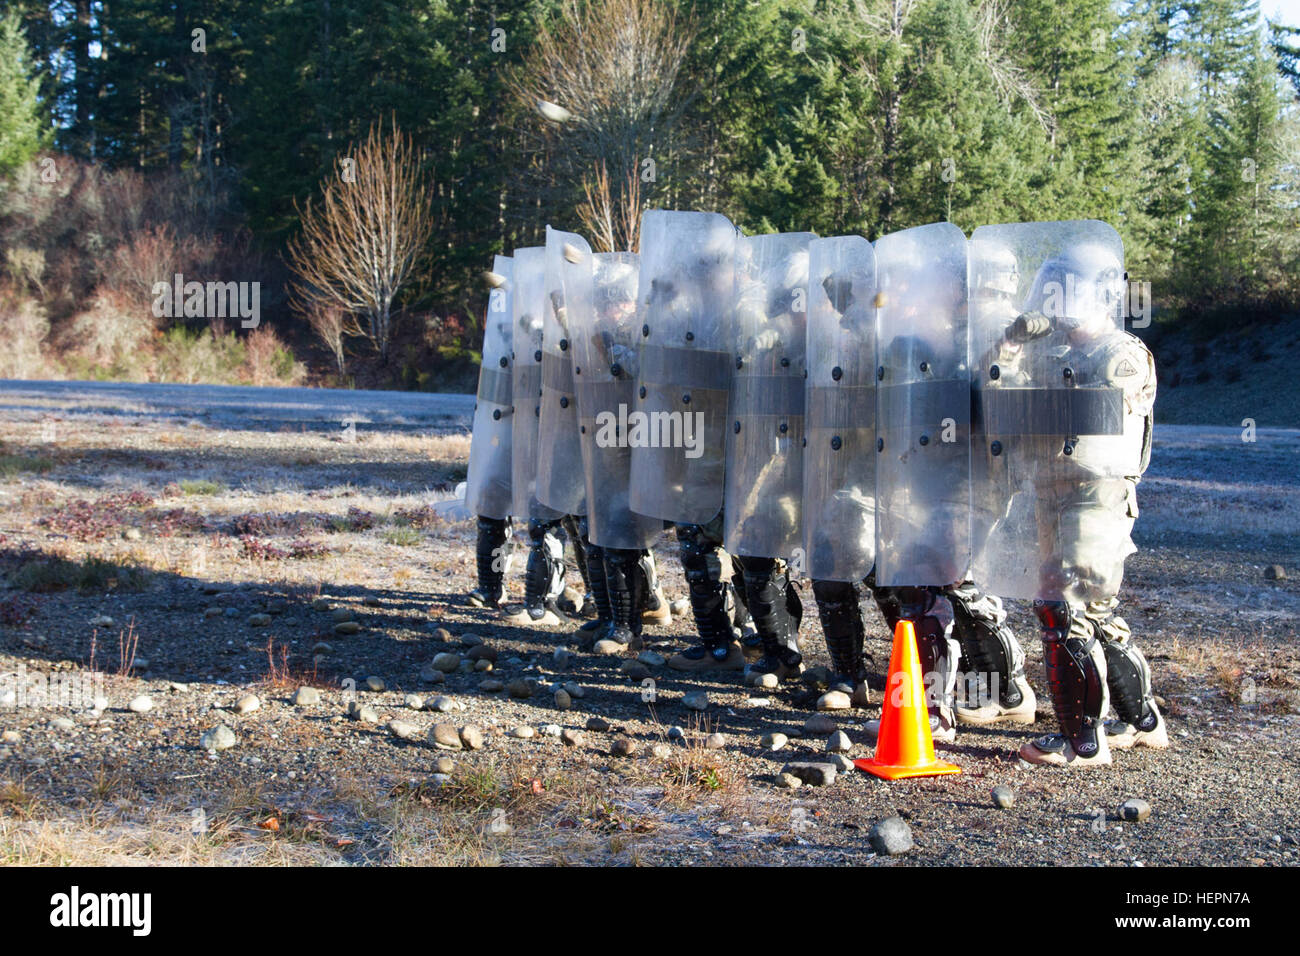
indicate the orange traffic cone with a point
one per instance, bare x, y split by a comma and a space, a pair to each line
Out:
904, 747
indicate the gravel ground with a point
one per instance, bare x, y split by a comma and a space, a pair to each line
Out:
256, 522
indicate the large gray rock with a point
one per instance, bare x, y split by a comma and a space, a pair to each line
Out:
404, 729
220, 737
445, 737
696, 700
446, 662
774, 741
306, 696
891, 836
813, 773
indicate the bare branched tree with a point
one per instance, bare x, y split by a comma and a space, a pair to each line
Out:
613, 223
1013, 81
330, 326
602, 82
359, 244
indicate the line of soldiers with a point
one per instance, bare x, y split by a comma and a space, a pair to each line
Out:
930, 420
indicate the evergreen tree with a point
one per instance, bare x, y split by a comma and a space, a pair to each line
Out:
22, 133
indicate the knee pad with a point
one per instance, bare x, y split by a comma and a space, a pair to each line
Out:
1076, 674
774, 604
544, 577
938, 652
1128, 677
987, 643
840, 610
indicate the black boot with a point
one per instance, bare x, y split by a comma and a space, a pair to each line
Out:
777, 611
839, 607
491, 557
544, 575
701, 557
576, 528
593, 630
626, 582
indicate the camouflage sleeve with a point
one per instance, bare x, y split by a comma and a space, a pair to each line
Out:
1131, 366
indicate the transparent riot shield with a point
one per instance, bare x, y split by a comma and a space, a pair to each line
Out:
923, 401
683, 305
527, 302
559, 453
487, 484
839, 465
1062, 410
764, 452
600, 291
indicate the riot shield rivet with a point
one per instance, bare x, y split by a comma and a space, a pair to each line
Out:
740, 362
837, 373
1067, 372
496, 415
564, 345
642, 392
645, 331
995, 373
577, 370
925, 366
583, 429
925, 439
1069, 448
880, 373
783, 428
736, 428
996, 448
537, 411
504, 361
564, 401
616, 370
803, 443
690, 336
836, 442
686, 398
785, 362
537, 356
880, 444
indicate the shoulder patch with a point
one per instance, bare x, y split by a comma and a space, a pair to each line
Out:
1125, 368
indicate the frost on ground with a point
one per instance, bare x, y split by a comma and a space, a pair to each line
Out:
216, 553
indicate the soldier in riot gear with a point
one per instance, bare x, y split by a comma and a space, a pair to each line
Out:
544, 572
1066, 398
487, 485
923, 462
683, 304
764, 452
600, 292
839, 473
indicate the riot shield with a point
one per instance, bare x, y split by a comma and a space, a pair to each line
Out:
1060, 424
487, 484
600, 292
559, 453
839, 464
923, 401
683, 306
527, 304
764, 452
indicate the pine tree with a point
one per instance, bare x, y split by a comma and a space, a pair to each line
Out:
21, 132
963, 155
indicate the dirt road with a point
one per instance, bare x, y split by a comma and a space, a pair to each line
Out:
201, 528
